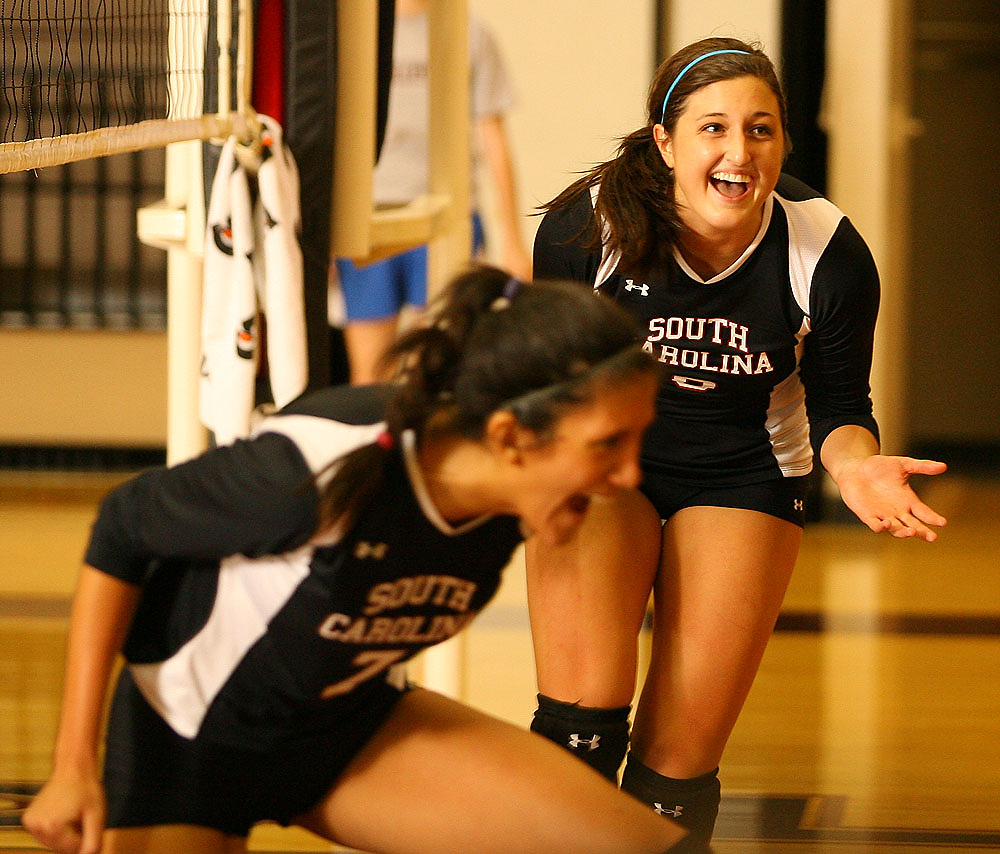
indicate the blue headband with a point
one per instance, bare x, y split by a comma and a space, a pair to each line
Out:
685, 69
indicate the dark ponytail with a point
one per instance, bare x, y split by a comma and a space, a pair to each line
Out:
488, 343
635, 198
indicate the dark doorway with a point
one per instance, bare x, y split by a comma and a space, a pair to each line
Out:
954, 195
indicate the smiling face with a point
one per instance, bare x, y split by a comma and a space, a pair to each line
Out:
726, 152
594, 450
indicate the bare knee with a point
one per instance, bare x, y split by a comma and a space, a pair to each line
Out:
587, 601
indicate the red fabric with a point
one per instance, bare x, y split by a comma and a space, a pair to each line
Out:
268, 60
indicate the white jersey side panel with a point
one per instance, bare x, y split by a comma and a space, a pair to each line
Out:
250, 593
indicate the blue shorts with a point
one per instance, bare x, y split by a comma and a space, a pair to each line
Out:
381, 290
784, 498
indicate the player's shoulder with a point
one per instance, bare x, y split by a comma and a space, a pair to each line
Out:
827, 254
331, 422
570, 218
348, 404
814, 222
800, 200
791, 188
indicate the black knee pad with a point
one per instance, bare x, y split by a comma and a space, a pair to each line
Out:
693, 803
599, 737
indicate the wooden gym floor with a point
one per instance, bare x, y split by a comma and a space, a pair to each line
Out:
874, 724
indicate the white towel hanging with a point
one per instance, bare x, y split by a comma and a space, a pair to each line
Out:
253, 262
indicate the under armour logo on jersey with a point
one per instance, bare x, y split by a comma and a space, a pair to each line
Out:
692, 384
592, 743
798, 504
642, 288
365, 549
674, 813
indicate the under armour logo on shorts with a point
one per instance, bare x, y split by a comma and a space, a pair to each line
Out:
674, 813
592, 743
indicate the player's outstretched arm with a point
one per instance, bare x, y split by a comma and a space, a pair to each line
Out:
877, 487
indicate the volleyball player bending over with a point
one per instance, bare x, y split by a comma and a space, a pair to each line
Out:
266, 593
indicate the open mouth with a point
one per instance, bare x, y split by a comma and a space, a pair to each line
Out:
730, 184
567, 518
578, 503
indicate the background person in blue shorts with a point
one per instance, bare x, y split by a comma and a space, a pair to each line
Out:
374, 295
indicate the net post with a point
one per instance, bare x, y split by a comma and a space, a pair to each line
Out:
444, 667
451, 238
244, 58
442, 218
354, 147
451, 241
186, 437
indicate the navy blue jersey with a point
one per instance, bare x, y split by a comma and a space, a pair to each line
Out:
762, 361
251, 627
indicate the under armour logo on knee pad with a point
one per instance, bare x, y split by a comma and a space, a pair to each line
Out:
673, 813
592, 743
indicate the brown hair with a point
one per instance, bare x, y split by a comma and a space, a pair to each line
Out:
491, 343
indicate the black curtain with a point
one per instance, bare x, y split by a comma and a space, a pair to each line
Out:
310, 116
310, 111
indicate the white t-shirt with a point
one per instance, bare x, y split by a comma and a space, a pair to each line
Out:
401, 171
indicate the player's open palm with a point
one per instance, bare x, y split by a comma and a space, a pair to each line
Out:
67, 815
878, 491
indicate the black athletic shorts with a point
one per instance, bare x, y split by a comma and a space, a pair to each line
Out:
783, 497
155, 776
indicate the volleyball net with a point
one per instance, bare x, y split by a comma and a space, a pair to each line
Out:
87, 78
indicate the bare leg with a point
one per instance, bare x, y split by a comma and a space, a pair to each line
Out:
587, 600
440, 777
170, 839
366, 342
723, 576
